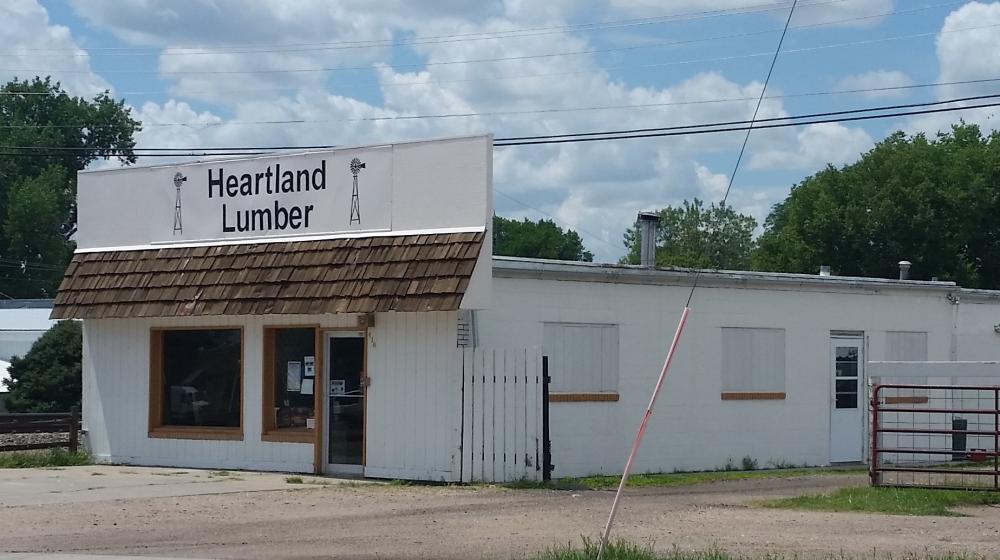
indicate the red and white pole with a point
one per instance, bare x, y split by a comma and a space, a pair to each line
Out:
642, 430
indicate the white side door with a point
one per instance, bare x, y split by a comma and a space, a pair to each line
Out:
847, 406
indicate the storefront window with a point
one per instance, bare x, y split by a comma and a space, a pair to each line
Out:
197, 375
290, 381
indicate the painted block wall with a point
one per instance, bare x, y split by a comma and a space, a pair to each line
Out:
406, 351
692, 427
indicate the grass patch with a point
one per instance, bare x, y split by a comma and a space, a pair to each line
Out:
294, 479
52, 458
677, 479
625, 550
893, 501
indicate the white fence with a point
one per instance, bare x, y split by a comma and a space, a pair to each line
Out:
501, 415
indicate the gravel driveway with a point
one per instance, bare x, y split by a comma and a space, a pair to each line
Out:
381, 521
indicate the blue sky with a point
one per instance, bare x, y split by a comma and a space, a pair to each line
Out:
204, 73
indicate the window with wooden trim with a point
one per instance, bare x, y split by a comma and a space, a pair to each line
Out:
753, 363
196, 383
290, 378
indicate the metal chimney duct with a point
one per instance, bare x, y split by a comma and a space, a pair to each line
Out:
647, 237
904, 270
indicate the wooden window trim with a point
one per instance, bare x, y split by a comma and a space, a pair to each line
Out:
583, 397
195, 432
753, 395
269, 432
157, 429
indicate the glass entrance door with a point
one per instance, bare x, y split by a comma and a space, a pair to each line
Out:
345, 410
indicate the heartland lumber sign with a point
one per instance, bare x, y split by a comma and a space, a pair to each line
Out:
351, 192
258, 190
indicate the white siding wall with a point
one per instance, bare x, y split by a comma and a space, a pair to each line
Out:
415, 399
692, 427
405, 350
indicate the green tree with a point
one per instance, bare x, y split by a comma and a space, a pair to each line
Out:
38, 185
47, 378
542, 239
933, 202
691, 235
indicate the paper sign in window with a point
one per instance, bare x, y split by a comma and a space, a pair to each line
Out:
294, 376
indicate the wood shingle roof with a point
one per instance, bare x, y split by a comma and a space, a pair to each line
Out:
362, 275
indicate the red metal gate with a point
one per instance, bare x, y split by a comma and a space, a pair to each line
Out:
941, 436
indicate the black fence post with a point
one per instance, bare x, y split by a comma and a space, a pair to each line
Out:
74, 429
546, 442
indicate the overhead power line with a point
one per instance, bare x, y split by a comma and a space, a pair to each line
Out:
689, 130
747, 127
491, 79
674, 130
526, 111
468, 61
514, 33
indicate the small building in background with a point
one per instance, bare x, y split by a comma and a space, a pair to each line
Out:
22, 322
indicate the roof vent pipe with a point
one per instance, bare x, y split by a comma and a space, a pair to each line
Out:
904, 270
824, 270
647, 238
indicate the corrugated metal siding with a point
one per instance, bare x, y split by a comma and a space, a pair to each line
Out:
415, 398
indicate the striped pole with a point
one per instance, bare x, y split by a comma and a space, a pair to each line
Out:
642, 430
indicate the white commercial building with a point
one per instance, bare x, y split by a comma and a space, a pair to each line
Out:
339, 312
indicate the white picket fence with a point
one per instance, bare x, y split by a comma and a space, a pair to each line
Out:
501, 415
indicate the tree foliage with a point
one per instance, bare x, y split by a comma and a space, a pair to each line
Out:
691, 235
542, 240
38, 187
47, 378
933, 202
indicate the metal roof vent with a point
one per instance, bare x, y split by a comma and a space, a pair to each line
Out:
824, 270
647, 237
904, 270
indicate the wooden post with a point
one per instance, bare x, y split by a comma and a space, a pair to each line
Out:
74, 429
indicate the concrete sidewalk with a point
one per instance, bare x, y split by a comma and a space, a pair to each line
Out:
21, 487
33, 556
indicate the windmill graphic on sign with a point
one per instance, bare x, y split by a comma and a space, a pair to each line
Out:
178, 224
356, 166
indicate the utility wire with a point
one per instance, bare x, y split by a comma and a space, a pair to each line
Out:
700, 131
387, 43
496, 144
637, 442
746, 137
491, 79
747, 127
546, 110
676, 130
469, 61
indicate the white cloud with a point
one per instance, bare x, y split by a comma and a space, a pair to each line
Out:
30, 41
598, 186
859, 11
966, 54
877, 80
816, 146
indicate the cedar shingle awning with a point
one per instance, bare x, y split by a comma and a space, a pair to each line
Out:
362, 275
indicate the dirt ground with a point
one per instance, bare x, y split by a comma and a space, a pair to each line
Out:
381, 521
